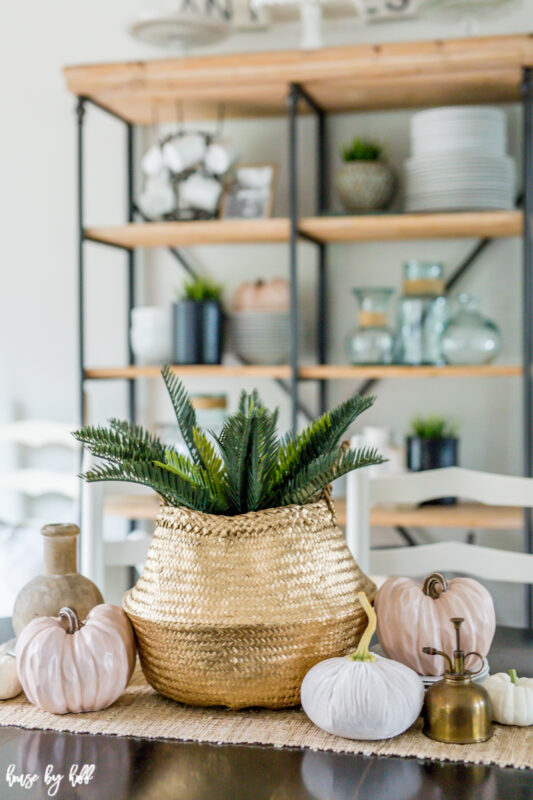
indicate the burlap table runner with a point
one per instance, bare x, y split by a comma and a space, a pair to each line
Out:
142, 712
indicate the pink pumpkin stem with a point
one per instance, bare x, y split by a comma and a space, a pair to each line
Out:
72, 620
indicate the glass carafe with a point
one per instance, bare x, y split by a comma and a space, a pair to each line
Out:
372, 341
469, 337
422, 314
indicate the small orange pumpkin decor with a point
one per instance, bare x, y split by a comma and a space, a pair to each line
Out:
411, 617
262, 296
65, 665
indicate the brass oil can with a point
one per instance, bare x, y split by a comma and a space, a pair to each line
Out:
457, 710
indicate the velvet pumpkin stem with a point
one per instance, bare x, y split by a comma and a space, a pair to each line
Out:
363, 653
513, 676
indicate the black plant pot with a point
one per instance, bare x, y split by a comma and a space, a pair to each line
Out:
198, 330
187, 332
212, 332
423, 454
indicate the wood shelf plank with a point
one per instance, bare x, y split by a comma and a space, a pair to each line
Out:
201, 232
191, 370
343, 371
379, 227
146, 507
460, 516
353, 77
363, 228
313, 372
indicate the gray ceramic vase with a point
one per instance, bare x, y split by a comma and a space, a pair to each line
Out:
60, 585
365, 185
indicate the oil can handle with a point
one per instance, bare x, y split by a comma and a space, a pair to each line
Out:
475, 653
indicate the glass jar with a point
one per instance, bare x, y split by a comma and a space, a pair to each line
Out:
469, 337
422, 314
372, 342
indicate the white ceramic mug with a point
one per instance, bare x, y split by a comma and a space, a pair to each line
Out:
158, 198
220, 156
152, 163
183, 152
201, 192
151, 334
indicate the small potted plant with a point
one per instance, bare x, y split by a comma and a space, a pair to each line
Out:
365, 182
432, 444
198, 324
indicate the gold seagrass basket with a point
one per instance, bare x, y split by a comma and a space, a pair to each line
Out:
234, 611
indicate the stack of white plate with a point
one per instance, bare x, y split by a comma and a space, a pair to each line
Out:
261, 337
459, 161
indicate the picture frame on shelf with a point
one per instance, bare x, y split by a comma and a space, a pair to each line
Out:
249, 193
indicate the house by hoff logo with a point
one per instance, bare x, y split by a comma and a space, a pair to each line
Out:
78, 774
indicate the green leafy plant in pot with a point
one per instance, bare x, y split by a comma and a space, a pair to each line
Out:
198, 324
248, 581
365, 181
432, 444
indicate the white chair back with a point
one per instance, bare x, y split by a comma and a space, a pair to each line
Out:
415, 487
24, 481
104, 560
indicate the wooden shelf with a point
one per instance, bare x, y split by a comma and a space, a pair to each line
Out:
314, 372
342, 371
363, 228
192, 370
379, 227
145, 507
355, 77
462, 515
201, 232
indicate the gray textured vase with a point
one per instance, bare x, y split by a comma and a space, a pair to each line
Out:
60, 585
365, 185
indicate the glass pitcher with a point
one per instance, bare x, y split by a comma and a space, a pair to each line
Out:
372, 342
469, 337
422, 314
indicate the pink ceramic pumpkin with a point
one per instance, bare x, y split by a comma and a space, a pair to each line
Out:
262, 296
411, 617
65, 665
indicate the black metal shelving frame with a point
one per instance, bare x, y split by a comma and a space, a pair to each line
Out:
297, 96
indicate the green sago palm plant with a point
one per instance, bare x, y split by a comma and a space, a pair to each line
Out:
247, 467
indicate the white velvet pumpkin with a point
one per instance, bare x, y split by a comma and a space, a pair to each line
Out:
512, 698
67, 666
9, 680
363, 695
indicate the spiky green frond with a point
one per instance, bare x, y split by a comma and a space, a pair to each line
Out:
319, 437
123, 442
174, 489
246, 468
313, 477
184, 410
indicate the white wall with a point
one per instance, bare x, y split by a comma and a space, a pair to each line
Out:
38, 333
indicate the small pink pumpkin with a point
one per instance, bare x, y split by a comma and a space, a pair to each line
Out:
411, 617
272, 295
65, 665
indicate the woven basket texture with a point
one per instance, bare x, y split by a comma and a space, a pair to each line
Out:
234, 611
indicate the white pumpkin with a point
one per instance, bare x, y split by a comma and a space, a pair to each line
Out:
10, 685
363, 695
512, 698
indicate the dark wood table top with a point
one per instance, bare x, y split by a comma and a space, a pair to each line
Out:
145, 769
